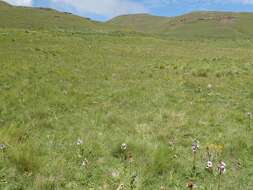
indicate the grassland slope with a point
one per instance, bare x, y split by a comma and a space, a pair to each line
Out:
69, 100
140, 22
196, 24
44, 18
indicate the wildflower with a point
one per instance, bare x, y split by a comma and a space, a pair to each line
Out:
84, 162
115, 174
209, 165
218, 148
222, 170
222, 167
2, 146
123, 147
79, 142
121, 187
249, 114
195, 146
209, 86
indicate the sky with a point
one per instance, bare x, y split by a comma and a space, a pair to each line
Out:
103, 10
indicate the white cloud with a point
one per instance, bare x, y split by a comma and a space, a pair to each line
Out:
20, 2
107, 8
163, 3
111, 8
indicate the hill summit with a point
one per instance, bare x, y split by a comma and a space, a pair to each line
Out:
207, 24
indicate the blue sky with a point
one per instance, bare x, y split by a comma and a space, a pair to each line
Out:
106, 9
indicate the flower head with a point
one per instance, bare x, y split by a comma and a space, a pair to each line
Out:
209, 165
84, 162
249, 114
123, 146
222, 167
120, 187
79, 142
2, 146
195, 146
115, 174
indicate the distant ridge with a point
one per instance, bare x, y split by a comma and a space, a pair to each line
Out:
140, 22
44, 18
3, 3
192, 25
198, 24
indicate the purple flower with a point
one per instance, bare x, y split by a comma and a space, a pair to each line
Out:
195, 146
222, 167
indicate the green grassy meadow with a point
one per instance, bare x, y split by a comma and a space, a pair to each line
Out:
156, 93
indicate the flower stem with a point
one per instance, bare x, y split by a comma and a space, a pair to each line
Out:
194, 164
249, 122
219, 182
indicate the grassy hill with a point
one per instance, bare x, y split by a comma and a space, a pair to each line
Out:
193, 25
46, 19
140, 22
70, 100
197, 24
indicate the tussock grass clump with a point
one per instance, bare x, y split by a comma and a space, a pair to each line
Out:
25, 158
164, 162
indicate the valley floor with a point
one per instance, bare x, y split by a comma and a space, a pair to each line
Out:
69, 100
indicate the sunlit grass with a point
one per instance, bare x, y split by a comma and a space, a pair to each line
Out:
97, 110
